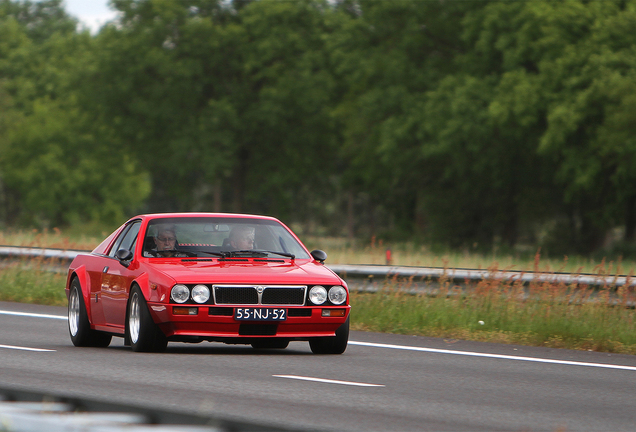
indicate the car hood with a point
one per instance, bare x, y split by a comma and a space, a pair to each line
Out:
298, 272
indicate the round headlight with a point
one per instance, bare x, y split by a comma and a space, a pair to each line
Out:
337, 295
180, 293
200, 294
318, 295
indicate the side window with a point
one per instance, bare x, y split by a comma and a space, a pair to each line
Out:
126, 239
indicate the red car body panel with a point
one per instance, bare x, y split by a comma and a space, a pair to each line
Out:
106, 283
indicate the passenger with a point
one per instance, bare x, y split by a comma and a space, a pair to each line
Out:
242, 238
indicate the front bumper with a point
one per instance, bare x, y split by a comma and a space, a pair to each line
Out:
217, 323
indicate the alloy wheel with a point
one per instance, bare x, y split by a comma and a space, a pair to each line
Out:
134, 318
74, 312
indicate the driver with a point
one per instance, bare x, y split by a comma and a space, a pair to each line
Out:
166, 241
242, 238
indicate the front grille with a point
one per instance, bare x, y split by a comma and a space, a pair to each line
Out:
259, 294
283, 296
235, 295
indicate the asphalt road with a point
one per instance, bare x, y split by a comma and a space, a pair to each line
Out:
382, 382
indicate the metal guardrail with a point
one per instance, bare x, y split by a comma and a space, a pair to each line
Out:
417, 275
424, 274
35, 252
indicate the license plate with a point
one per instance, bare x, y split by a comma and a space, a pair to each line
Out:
260, 314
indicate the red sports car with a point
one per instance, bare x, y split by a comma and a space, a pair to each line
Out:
192, 277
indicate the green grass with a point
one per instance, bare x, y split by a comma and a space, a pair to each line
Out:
31, 282
552, 315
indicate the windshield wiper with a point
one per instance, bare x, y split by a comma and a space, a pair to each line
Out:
244, 253
167, 253
285, 254
256, 253
219, 254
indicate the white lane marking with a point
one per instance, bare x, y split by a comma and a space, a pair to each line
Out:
33, 315
499, 356
328, 381
26, 348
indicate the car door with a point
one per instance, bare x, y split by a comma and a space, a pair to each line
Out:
116, 277
94, 268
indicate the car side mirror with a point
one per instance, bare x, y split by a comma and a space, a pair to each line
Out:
124, 255
319, 255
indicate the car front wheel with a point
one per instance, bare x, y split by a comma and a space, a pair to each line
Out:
144, 334
78, 325
332, 344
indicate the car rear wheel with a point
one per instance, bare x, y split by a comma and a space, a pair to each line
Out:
332, 344
270, 344
144, 334
78, 325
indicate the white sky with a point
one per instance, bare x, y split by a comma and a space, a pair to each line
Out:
91, 13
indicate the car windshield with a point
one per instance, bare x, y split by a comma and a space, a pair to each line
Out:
223, 237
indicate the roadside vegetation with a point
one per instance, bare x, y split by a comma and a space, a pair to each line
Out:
32, 281
551, 315
53, 238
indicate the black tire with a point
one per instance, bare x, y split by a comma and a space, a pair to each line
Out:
79, 327
332, 344
270, 343
143, 333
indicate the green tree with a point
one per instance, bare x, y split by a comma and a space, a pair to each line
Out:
590, 86
523, 128
387, 56
57, 161
483, 123
39, 19
219, 98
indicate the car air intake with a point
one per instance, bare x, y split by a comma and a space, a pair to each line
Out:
258, 329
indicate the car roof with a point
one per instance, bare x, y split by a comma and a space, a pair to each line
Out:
199, 214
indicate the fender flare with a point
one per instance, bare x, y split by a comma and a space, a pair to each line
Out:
142, 281
82, 275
